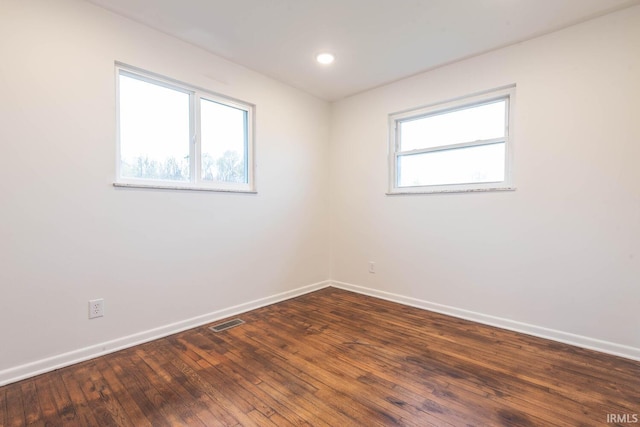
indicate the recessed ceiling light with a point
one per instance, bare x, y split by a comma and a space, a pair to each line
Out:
325, 58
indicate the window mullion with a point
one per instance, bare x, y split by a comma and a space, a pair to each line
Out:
397, 167
477, 143
194, 146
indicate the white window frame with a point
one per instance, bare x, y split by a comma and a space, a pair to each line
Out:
507, 93
195, 161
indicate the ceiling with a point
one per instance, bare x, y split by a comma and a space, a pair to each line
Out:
374, 41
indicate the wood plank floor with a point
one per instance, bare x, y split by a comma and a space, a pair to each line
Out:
334, 358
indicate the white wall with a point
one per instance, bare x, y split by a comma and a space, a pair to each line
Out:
156, 257
563, 251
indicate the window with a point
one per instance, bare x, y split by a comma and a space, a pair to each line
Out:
172, 135
463, 145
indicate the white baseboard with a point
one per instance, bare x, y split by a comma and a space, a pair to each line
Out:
42, 366
627, 352
49, 364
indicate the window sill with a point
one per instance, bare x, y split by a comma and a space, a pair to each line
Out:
182, 187
423, 191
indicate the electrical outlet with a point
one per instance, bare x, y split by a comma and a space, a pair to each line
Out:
372, 267
96, 308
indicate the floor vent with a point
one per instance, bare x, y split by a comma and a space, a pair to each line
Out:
226, 325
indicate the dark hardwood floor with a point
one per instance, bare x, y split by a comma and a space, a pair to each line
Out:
335, 358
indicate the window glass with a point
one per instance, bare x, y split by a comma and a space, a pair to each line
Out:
223, 137
483, 163
154, 131
468, 124
173, 135
461, 145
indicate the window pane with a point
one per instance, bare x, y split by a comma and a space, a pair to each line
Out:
154, 131
480, 122
478, 164
224, 142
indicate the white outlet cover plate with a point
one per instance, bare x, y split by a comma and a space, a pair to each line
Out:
96, 308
